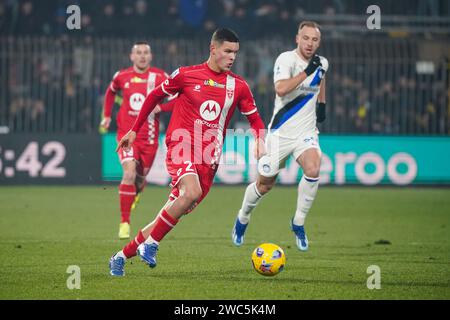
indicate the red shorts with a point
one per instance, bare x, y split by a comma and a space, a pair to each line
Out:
204, 172
142, 152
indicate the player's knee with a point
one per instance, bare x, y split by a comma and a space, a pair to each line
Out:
129, 176
140, 186
140, 180
312, 171
192, 194
264, 186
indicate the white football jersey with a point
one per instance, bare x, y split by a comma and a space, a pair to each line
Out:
295, 113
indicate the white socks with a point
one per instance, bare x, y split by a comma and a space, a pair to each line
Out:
120, 254
307, 190
150, 240
251, 199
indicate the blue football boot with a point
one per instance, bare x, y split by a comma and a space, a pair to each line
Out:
116, 266
300, 236
147, 252
238, 233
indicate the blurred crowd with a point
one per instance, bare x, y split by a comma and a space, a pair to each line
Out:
54, 81
59, 85
176, 18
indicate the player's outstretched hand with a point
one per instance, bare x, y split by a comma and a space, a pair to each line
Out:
314, 63
260, 149
104, 125
126, 141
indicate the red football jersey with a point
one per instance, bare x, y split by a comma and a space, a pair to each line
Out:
135, 87
206, 103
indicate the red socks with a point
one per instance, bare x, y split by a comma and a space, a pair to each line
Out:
164, 223
130, 249
126, 194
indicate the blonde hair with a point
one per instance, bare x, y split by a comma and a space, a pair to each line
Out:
311, 24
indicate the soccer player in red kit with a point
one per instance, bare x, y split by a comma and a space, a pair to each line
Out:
135, 83
208, 95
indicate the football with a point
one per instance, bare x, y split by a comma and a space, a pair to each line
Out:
268, 259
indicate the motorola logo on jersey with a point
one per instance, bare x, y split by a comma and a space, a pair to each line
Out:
210, 110
136, 101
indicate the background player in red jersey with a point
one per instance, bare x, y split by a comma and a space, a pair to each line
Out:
208, 96
135, 83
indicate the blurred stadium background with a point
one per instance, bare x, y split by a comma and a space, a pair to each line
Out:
388, 123
388, 82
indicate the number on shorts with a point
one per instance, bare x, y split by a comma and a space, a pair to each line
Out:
128, 153
189, 166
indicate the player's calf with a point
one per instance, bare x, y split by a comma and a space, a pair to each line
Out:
186, 201
129, 175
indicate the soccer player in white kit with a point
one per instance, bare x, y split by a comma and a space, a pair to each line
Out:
299, 103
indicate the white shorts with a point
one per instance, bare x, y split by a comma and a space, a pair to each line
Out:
279, 149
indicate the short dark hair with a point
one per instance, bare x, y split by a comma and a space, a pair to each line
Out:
311, 24
224, 34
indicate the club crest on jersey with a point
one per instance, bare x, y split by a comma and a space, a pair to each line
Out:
210, 110
266, 168
230, 93
278, 70
136, 101
212, 83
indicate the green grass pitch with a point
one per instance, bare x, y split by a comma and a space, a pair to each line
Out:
46, 229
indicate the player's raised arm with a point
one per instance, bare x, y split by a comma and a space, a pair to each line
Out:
285, 86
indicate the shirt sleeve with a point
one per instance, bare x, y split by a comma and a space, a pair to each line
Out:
169, 105
108, 103
174, 83
115, 83
247, 104
325, 63
282, 68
